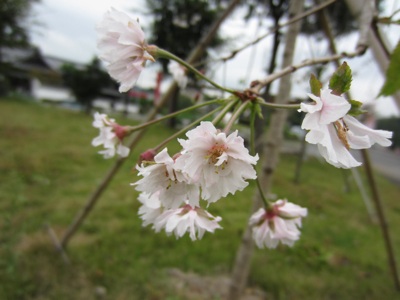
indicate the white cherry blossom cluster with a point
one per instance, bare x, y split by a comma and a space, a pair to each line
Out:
335, 132
111, 136
278, 223
122, 46
210, 166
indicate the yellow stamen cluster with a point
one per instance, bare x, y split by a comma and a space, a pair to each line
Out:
215, 152
341, 132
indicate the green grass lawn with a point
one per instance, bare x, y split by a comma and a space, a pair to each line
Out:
48, 168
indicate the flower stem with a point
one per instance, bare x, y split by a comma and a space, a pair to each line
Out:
264, 199
262, 102
166, 54
131, 129
236, 115
227, 107
183, 130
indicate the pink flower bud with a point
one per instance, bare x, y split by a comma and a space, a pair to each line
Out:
147, 155
120, 131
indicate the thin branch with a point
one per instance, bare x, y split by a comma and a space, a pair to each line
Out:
185, 129
382, 218
277, 105
272, 30
259, 84
223, 112
163, 118
236, 116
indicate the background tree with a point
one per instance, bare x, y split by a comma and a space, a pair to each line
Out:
86, 83
178, 26
13, 29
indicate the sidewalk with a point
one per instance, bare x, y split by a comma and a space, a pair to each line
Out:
384, 161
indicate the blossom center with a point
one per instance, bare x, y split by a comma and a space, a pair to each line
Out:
341, 130
187, 208
215, 152
272, 212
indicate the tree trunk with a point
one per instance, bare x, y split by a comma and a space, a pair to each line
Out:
370, 35
277, 11
274, 138
173, 107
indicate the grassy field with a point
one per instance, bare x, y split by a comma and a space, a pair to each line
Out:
48, 168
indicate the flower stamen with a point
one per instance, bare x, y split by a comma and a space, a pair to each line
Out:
341, 132
215, 152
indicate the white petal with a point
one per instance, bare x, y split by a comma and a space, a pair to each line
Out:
375, 136
311, 121
334, 107
122, 150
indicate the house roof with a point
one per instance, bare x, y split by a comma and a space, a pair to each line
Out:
32, 58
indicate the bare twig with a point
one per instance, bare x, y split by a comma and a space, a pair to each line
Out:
364, 195
381, 217
259, 84
276, 28
57, 244
82, 214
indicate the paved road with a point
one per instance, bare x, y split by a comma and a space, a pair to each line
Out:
384, 161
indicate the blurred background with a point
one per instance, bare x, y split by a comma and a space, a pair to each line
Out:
64, 32
51, 82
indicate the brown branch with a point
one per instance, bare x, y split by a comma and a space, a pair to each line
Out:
382, 218
272, 30
259, 84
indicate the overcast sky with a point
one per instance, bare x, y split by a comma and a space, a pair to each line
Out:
67, 30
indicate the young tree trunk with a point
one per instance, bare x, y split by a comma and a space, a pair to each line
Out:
271, 151
173, 107
370, 36
277, 11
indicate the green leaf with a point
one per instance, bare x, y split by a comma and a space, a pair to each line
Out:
315, 85
355, 109
392, 83
341, 80
258, 110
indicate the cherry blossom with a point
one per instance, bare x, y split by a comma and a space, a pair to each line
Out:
151, 207
110, 136
121, 43
173, 186
219, 164
279, 223
192, 219
335, 132
178, 72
